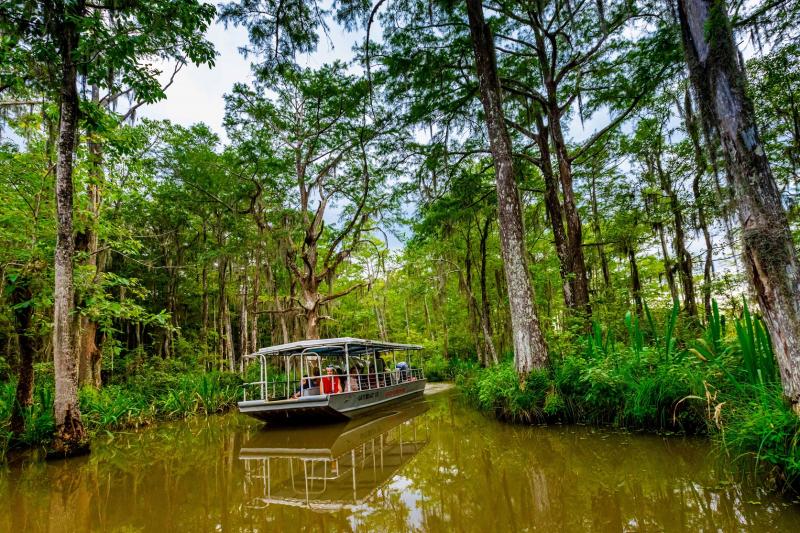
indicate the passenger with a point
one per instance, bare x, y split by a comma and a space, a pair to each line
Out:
307, 383
363, 379
330, 384
342, 377
402, 370
381, 370
353, 381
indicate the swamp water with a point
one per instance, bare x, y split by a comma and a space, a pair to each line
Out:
431, 465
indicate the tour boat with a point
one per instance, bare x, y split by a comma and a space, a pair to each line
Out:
354, 380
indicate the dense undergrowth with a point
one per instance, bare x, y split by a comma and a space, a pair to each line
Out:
151, 395
723, 382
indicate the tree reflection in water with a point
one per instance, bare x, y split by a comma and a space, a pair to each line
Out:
435, 466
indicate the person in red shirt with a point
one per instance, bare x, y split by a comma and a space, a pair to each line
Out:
329, 383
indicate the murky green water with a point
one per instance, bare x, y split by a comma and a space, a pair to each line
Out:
431, 465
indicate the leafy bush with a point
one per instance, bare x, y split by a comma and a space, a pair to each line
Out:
146, 397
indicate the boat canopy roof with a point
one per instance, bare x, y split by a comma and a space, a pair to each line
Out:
334, 347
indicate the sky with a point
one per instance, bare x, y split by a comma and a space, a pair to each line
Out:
197, 94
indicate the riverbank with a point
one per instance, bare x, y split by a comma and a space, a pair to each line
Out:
150, 396
724, 386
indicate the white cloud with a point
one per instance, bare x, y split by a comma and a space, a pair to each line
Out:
197, 93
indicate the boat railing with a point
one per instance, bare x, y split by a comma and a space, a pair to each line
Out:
281, 389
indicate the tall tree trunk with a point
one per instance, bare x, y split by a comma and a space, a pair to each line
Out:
204, 313
408, 323
70, 436
222, 310
486, 316
575, 257
282, 315
769, 253
575, 260
636, 284
309, 283
669, 271
555, 211
682, 256
256, 294
89, 361
598, 233
530, 349
312, 323
472, 303
428, 327
693, 129
379, 320
21, 297
230, 351
244, 321
438, 307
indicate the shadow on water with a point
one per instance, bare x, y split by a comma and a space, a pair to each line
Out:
429, 465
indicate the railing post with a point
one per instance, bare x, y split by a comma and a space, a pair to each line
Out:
264, 392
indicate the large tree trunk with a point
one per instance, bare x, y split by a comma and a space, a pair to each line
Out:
769, 254
428, 327
575, 258
89, 361
530, 349
311, 306
555, 211
70, 436
223, 312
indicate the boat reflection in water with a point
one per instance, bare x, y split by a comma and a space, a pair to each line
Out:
332, 467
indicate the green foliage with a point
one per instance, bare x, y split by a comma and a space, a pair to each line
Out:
146, 398
761, 425
755, 349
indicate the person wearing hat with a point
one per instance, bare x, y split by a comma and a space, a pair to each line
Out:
330, 383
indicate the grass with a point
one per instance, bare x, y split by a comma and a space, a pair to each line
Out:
141, 400
725, 383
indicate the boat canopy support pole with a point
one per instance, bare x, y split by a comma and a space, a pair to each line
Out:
288, 364
347, 363
262, 361
375, 360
